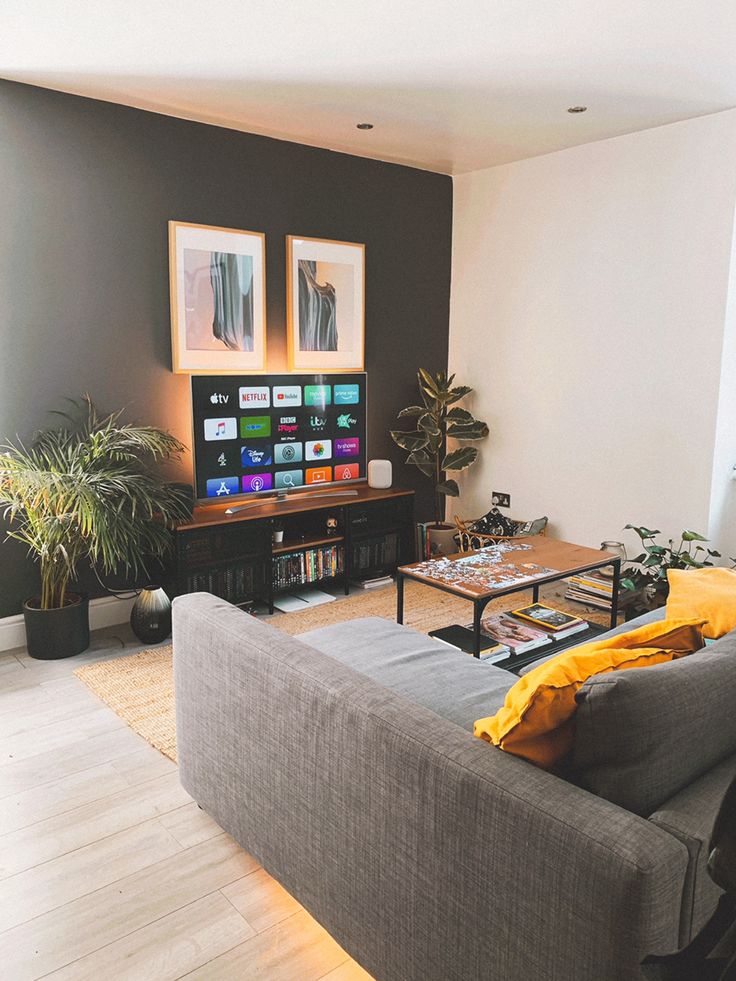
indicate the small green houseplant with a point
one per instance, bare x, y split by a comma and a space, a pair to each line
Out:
437, 419
86, 492
650, 578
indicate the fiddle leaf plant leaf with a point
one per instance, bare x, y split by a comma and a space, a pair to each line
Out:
460, 459
448, 487
409, 441
474, 430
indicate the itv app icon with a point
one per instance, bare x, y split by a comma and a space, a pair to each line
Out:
255, 482
222, 487
256, 456
255, 426
317, 395
218, 429
347, 394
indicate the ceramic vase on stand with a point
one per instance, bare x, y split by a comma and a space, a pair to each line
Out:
150, 618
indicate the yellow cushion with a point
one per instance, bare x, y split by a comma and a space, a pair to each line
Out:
537, 718
707, 593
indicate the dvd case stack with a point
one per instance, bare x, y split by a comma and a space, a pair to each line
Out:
375, 554
312, 565
234, 583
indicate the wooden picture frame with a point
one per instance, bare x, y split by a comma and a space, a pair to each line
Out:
325, 305
217, 282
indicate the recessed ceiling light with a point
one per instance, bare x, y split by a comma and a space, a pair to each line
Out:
364, 126
578, 109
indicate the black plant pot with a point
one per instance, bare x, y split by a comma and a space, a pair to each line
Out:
150, 617
54, 634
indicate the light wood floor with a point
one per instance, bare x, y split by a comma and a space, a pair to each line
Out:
108, 869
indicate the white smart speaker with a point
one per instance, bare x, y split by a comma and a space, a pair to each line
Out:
379, 473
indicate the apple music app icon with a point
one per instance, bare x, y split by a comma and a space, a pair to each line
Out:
218, 429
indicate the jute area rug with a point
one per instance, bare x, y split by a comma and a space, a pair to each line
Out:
140, 687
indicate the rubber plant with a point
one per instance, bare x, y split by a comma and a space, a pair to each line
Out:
657, 559
88, 491
438, 419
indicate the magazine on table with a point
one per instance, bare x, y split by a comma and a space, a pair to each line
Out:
517, 636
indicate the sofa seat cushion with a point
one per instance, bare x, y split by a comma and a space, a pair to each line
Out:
690, 816
449, 682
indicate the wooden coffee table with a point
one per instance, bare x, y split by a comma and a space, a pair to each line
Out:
545, 560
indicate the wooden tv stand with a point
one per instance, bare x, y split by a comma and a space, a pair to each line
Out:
232, 555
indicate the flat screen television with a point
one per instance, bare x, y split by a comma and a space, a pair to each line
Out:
260, 435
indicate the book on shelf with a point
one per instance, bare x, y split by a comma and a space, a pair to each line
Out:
558, 623
518, 636
463, 639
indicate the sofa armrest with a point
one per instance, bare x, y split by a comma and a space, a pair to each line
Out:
426, 853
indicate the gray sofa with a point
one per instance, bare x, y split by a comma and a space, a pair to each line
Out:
344, 761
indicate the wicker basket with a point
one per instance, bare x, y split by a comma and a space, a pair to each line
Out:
470, 540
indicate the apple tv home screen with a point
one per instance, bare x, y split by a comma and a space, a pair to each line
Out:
259, 433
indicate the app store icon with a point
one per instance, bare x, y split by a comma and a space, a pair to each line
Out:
222, 487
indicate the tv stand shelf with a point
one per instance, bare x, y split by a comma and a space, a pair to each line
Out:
232, 555
298, 546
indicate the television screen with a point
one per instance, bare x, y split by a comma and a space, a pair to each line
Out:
255, 434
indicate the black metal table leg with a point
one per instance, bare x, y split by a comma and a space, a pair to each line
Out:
614, 597
399, 597
535, 594
477, 614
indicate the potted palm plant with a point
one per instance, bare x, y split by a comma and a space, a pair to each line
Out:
85, 492
437, 419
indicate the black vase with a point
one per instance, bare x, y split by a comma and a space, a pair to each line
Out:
54, 634
150, 617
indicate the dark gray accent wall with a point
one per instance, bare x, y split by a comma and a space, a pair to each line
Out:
86, 191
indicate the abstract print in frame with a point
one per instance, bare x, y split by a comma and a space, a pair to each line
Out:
325, 304
218, 299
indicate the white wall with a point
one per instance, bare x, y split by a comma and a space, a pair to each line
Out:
589, 295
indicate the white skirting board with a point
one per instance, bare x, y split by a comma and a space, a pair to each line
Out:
104, 612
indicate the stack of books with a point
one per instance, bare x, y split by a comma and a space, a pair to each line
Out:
595, 590
513, 634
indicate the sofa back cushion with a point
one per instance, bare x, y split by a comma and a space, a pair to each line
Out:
643, 735
537, 719
708, 593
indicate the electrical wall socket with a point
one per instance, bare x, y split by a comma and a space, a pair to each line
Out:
500, 500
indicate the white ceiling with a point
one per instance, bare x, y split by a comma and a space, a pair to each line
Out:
450, 87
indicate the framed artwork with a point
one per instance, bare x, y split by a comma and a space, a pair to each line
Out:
325, 293
217, 279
